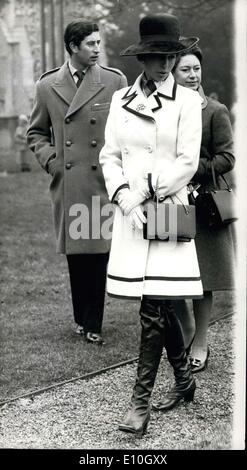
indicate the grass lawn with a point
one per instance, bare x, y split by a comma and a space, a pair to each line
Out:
38, 343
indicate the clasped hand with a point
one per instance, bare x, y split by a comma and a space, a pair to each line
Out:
130, 204
137, 218
128, 200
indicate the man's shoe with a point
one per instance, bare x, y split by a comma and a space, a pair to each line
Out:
79, 330
94, 338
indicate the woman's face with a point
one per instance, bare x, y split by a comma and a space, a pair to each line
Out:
158, 66
188, 72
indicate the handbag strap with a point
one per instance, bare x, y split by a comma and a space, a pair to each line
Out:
181, 202
171, 197
216, 186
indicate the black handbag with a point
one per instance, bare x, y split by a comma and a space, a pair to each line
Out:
169, 221
217, 207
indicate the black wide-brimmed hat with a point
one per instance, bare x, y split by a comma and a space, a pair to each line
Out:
160, 34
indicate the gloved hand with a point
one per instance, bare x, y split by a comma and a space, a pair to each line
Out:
137, 218
128, 200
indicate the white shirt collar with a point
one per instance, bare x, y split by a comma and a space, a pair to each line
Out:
157, 84
165, 85
73, 70
167, 88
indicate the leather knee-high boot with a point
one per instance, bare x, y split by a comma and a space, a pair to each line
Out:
185, 385
152, 322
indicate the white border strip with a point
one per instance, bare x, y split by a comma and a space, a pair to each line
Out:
238, 441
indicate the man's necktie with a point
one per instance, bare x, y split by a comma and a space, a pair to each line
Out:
149, 87
80, 76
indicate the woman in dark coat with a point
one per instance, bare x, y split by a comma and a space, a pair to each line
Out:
214, 247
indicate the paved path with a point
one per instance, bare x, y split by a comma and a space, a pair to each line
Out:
85, 414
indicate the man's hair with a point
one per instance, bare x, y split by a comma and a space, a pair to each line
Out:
76, 31
194, 51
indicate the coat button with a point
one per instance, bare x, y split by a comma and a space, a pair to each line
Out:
68, 166
93, 121
94, 143
125, 151
149, 149
67, 120
161, 198
94, 167
68, 143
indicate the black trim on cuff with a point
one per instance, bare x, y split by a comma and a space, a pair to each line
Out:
125, 185
150, 187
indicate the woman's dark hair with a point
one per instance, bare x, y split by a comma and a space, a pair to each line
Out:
194, 51
76, 31
142, 57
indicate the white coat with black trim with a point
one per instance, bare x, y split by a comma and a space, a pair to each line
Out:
160, 135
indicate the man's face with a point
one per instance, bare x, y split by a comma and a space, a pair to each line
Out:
87, 53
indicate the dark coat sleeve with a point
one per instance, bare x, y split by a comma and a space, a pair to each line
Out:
219, 147
39, 134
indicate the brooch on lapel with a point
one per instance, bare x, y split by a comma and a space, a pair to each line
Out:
140, 107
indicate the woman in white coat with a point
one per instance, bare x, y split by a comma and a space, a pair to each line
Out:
152, 146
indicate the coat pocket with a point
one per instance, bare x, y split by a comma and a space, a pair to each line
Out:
100, 106
51, 165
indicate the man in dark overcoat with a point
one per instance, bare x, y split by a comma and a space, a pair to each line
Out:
66, 133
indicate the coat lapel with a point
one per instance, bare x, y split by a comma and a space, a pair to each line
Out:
168, 88
90, 87
74, 97
139, 105
64, 84
136, 103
